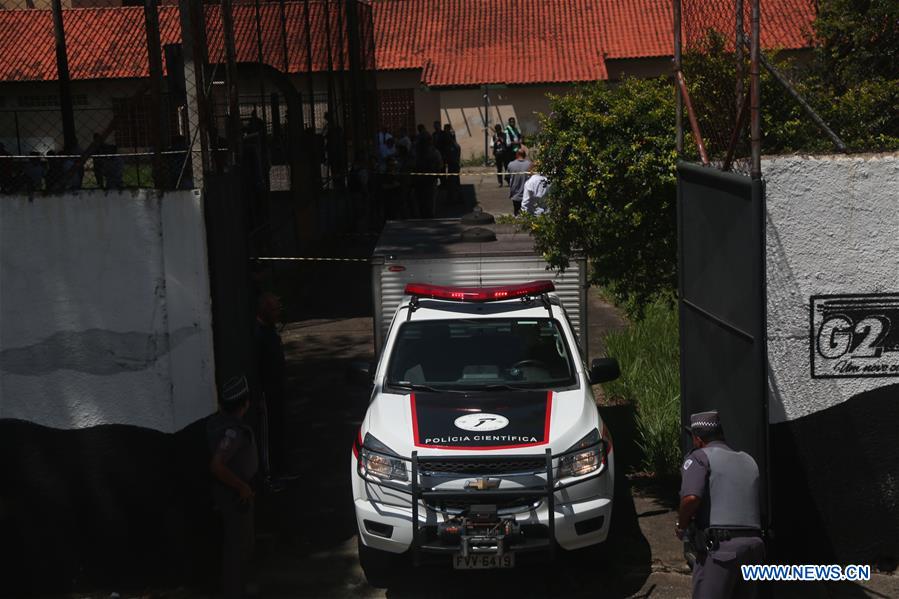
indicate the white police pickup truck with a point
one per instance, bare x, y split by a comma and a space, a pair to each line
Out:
482, 440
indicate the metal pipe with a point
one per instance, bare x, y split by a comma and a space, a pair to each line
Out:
755, 126
326, 5
231, 79
694, 124
357, 88
738, 55
158, 118
341, 61
735, 135
310, 85
282, 13
66, 106
193, 29
679, 103
15, 116
261, 59
486, 121
785, 83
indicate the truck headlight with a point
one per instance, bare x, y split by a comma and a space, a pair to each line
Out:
579, 463
378, 460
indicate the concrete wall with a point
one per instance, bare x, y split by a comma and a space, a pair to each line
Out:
833, 349
464, 108
106, 375
105, 311
832, 229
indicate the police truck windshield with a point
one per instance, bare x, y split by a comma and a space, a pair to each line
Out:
481, 354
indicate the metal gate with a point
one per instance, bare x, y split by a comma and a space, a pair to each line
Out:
721, 245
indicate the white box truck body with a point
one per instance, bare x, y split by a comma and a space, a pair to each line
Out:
454, 253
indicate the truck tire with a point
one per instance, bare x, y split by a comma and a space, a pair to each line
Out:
381, 568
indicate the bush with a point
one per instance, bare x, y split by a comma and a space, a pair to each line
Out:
609, 152
648, 352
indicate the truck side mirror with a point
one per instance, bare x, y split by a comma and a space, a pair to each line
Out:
361, 373
603, 370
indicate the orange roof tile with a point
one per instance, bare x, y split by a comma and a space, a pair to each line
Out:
107, 43
472, 42
454, 42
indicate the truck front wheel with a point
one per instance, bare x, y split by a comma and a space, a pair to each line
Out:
381, 568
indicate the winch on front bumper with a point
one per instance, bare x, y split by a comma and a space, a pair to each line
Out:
474, 523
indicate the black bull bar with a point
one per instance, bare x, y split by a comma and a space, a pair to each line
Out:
546, 492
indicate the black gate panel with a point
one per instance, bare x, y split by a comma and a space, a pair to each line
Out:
721, 249
226, 209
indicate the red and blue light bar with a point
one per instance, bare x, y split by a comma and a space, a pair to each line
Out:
479, 294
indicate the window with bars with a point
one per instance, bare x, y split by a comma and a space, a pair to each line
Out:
133, 118
396, 110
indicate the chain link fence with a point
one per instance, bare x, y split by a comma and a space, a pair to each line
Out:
111, 95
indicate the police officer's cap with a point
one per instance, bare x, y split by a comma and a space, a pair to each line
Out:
705, 423
235, 390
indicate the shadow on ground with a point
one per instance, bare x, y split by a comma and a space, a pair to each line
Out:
307, 545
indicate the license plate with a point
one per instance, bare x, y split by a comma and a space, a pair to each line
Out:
483, 561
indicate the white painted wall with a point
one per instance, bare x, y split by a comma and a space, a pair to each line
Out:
105, 313
832, 228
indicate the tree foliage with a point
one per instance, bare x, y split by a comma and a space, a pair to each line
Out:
609, 150
610, 154
859, 41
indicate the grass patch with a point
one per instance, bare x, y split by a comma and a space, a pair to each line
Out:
648, 352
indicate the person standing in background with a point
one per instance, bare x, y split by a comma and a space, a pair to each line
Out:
234, 463
500, 152
427, 162
270, 384
452, 158
513, 136
518, 174
533, 199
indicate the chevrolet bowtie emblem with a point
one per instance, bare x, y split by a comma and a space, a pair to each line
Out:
482, 484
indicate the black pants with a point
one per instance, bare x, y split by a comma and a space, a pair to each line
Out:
425, 196
238, 536
500, 167
516, 207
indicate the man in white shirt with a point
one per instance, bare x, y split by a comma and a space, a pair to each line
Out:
533, 199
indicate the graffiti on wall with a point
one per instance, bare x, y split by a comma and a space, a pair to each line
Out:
854, 335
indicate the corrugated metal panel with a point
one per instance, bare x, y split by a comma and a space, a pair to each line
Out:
484, 271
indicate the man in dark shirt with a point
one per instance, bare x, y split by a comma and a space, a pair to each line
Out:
270, 387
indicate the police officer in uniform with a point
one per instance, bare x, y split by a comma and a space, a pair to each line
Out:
234, 464
720, 497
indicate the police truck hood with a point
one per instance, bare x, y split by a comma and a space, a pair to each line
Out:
506, 421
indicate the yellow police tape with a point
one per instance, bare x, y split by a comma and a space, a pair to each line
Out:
481, 174
308, 259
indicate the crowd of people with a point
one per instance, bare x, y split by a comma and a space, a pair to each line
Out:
527, 188
39, 172
407, 173
65, 171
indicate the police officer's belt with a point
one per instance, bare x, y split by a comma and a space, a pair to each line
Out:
726, 534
